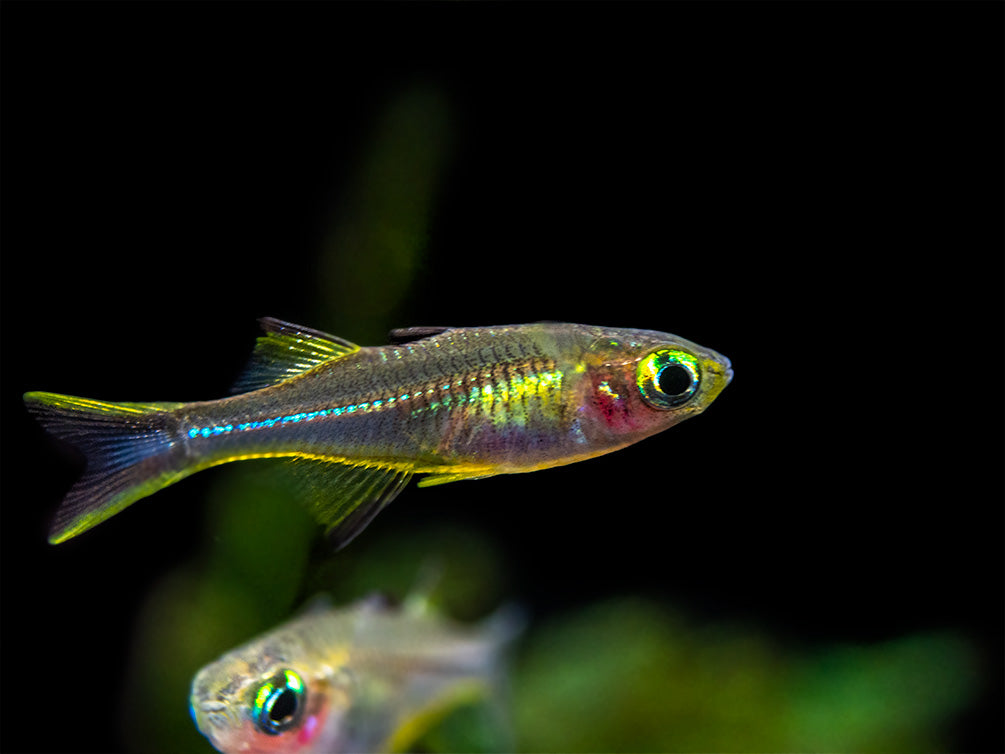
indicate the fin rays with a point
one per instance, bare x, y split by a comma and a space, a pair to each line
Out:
344, 498
287, 350
128, 453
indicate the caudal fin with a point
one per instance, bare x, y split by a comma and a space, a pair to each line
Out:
129, 450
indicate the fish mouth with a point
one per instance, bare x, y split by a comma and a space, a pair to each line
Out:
720, 373
721, 368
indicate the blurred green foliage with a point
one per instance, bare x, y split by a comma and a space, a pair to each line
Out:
631, 675
627, 675
379, 231
898, 695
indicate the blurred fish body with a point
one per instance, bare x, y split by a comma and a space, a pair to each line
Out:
367, 677
452, 403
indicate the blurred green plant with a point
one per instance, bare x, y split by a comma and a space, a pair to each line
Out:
631, 675
898, 695
380, 230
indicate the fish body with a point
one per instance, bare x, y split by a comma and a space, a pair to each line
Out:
451, 403
367, 677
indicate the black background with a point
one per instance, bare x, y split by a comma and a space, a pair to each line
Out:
813, 190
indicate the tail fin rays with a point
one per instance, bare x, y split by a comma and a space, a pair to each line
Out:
128, 447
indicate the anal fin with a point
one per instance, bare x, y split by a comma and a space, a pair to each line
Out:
343, 498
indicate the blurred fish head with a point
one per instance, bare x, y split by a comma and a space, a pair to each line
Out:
640, 382
264, 700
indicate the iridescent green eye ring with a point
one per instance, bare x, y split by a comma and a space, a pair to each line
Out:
668, 378
278, 702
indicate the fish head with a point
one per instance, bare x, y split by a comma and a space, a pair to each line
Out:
263, 700
639, 382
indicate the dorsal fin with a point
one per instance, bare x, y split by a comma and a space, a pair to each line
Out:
287, 350
319, 603
408, 334
419, 601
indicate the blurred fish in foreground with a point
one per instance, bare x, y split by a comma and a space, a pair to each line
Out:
626, 674
367, 677
451, 403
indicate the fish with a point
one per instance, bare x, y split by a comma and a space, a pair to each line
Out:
366, 677
359, 422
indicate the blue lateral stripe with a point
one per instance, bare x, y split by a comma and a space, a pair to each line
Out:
222, 429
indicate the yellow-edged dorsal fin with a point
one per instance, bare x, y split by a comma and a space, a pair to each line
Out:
287, 350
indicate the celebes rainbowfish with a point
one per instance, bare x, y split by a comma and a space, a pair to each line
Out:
367, 677
452, 403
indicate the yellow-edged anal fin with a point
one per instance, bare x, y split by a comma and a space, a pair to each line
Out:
344, 498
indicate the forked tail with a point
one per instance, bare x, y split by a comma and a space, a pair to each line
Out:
130, 450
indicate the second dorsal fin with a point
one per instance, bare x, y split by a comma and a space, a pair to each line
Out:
402, 335
287, 350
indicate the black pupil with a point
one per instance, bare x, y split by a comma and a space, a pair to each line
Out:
674, 379
283, 706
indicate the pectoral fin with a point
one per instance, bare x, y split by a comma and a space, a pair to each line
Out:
434, 479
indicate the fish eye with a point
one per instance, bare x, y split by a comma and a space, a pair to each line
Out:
278, 702
668, 378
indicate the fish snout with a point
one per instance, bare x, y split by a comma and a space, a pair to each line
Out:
727, 368
211, 714
721, 368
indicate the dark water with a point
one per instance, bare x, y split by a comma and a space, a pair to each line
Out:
815, 192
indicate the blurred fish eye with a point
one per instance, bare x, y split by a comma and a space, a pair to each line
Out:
668, 378
278, 702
